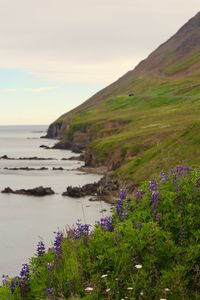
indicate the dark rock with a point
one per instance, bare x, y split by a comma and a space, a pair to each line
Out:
62, 146
54, 130
36, 158
77, 149
38, 191
45, 147
7, 190
57, 169
26, 169
104, 187
27, 158
4, 157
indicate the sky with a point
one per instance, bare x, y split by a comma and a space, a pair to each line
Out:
55, 54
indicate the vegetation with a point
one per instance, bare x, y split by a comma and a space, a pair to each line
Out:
146, 132
148, 249
148, 119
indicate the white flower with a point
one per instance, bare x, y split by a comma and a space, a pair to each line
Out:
104, 275
88, 289
129, 288
141, 293
138, 267
167, 290
163, 299
108, 290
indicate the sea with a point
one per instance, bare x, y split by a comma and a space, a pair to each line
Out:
25, 220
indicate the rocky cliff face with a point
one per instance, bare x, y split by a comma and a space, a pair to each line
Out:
54, 130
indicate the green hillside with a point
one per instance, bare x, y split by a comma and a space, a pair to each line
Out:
147, 120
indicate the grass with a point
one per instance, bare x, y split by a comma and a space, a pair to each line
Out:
144, 132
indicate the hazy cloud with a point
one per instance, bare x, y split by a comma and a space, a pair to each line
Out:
36, 90
90, 41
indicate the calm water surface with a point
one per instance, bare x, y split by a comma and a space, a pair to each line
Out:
25, 219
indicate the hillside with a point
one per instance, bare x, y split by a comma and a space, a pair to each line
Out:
148, 119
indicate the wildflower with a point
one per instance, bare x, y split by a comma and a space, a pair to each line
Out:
138, 266
163, 177
176, 185
24, 279
130, 288
155, 197
152, 185
138, 195
89, 288
40, 248
4, 279
107, 290
104, 275
13, 284
119, 207
81, 230
167, 290
163, 299
58, 242
122, 194
49, 293
125, 215
141, 293
105, 223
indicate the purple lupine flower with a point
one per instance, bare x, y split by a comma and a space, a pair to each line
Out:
58, 242
155, 197
81, 230
40, 248
49, 293
122, 194
175, 182
119, 206
14, 283
24, 279
180, 170
24, 271
163, 177
152, 185
4, 279
138, 195
124, 216
105, 223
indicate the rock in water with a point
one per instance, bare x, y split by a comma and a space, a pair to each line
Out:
38, 191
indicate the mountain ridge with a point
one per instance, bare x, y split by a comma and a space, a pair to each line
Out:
168, 79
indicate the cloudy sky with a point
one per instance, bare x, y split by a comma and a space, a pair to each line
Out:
54, 54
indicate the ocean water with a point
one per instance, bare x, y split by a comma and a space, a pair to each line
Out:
24, 220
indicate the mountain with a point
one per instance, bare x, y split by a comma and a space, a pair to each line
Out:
146, 120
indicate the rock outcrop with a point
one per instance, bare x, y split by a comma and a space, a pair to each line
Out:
38, 191
104, 189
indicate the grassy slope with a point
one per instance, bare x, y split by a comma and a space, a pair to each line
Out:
158, 128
